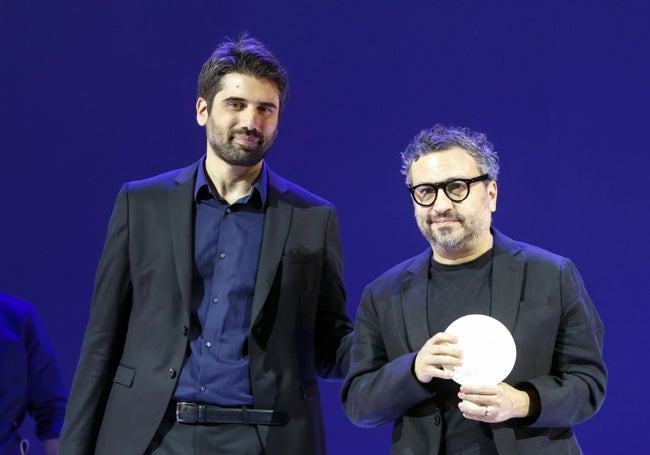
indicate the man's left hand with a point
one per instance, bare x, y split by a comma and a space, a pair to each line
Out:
494, 403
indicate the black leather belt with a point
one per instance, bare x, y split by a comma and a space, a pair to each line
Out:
206, 413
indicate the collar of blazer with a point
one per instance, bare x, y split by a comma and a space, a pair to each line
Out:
507, 281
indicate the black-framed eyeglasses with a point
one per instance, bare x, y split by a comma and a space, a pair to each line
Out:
457, 190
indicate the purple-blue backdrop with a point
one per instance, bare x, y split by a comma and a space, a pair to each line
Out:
97, 93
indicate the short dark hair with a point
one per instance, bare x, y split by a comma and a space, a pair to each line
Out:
246, 56
441, 137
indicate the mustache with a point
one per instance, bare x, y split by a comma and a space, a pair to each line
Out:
245, 131
446, 215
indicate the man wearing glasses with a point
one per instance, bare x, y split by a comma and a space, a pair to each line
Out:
402, 359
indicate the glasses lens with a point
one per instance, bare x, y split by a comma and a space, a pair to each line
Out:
456, 190
424, 194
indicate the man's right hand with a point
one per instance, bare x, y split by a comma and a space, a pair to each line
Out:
438, 358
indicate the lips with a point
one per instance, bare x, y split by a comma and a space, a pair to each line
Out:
246, 139
444, 220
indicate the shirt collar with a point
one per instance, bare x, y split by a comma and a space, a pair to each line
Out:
202, 188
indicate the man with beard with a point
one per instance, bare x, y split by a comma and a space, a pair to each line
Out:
403, 361
219, 295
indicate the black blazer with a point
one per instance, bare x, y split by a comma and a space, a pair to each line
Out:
539, 296
136, 338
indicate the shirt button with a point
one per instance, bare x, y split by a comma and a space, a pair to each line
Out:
222, 255
203, 388
228, 210
215, 300
208, 344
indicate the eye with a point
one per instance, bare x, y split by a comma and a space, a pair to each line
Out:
425, 191
266, 109
456, 190
456, 187
235, 105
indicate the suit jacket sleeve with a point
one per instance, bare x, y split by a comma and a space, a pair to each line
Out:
379, 387
333, 327
104, 337
574, 389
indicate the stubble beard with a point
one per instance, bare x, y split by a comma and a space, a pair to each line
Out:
223, 145
451, 240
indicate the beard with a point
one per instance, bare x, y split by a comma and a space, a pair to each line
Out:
223, 145
452, 239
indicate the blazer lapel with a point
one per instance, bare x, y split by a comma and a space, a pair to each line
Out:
507, 281
276, 228
414, 301
507, 284
181, 203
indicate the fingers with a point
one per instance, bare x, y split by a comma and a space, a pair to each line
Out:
479, 402
444, 346
428, 367
492, 403
475, 399
479, 411
478, 393
437, 358
442, 338
506, 401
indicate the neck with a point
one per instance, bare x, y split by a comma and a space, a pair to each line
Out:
229, 181
462, 254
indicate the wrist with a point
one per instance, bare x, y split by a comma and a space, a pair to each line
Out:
528, 403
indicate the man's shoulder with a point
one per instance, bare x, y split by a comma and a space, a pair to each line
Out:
15, 308
164, 180
405, 269
526, 251
294, 193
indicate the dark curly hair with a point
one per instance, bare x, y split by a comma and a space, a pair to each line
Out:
441, 137
246, 56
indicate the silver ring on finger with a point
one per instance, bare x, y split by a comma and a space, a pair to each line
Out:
487, 411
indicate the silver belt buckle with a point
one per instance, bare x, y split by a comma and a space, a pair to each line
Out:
178, 413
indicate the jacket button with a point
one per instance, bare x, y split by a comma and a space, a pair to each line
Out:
436, 420
172, 374
185, 330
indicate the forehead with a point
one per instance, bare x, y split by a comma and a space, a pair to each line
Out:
248, 88
443, 165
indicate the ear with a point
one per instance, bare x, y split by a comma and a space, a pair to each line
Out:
201, 111
492, 191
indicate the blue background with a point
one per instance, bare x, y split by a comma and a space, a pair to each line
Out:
97, 93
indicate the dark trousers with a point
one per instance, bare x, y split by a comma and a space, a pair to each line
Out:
175, 438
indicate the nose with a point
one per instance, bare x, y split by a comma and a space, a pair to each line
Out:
442, 203
250, 119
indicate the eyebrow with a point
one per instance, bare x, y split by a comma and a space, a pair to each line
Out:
451, 179
237, 98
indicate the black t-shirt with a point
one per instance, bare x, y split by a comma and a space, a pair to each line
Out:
455, 291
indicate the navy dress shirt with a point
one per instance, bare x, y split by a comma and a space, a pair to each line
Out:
227, 243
